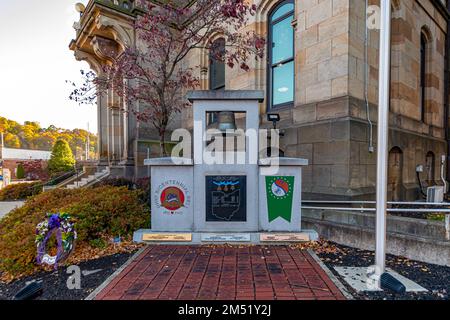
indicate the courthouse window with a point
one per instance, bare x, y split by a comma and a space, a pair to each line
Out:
281, 55
217, 65
423, 74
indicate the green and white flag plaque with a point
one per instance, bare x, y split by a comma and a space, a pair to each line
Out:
280, 191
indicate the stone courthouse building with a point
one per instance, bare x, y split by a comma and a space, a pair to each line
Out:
320, 74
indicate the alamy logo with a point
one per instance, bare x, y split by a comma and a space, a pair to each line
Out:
74, 280
373, 17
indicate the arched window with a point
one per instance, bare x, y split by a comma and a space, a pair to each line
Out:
281, 55
217, 65
424, 49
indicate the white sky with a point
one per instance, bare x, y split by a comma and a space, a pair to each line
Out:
35, 61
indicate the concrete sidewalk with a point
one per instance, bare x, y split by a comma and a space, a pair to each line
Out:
222, 273
7, 206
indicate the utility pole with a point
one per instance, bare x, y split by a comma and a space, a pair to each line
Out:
383, 133
88, 142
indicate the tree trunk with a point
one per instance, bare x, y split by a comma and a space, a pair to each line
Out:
162, 142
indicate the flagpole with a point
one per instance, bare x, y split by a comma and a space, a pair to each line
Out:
383, 131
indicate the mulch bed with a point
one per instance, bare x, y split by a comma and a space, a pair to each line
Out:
55, 283
435, 278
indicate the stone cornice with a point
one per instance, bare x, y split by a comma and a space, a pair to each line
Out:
94, 8
186, 4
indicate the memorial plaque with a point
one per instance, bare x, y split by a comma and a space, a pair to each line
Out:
226, 198
284, 237
226, 237
167, 237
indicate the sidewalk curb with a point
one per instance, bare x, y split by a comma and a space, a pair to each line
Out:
94, 293
330, 274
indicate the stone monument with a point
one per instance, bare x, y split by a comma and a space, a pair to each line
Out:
228, 195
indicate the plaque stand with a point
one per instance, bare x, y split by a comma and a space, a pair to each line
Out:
199, 201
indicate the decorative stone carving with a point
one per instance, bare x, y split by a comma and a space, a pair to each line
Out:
121, 34
105, 49
93, 62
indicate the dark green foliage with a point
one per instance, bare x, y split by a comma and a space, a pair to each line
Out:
20, 173
20, 191
62, 159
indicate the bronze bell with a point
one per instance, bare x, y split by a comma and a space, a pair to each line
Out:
226, 121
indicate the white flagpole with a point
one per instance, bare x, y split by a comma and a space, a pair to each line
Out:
383, 132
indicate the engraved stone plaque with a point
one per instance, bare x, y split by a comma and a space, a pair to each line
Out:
212, 237
167, 237
284, 237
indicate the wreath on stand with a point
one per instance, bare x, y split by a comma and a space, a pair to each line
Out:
61, 226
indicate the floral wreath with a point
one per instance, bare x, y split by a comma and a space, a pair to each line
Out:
63, 228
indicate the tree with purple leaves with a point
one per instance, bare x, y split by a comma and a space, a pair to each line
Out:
153, 74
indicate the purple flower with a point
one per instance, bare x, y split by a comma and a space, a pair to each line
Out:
54, 221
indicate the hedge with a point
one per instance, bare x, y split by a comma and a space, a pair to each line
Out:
98, 213
20, 191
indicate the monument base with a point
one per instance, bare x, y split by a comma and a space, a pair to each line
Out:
235, 238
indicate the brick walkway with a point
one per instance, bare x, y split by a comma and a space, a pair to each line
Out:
224, 273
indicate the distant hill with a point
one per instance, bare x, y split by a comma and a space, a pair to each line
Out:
31, 135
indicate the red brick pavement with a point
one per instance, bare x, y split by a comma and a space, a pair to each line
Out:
223, 273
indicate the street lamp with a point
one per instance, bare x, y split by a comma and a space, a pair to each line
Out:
274, 118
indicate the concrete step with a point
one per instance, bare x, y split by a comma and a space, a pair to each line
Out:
87, 180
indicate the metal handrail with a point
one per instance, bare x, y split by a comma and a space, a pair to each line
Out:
445, 211
373, 202
56, 181
374, 209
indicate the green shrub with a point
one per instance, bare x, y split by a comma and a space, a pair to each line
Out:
117, 182
20, 173
20, 191
436, 217
98, 243
141, 184
62, 159
98, 213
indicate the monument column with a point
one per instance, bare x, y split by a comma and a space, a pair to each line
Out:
116, 130
102, 123
129, 138
115, 136
111, 128
119, 133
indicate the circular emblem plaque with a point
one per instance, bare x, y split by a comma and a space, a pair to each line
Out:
280, 188
172, 198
